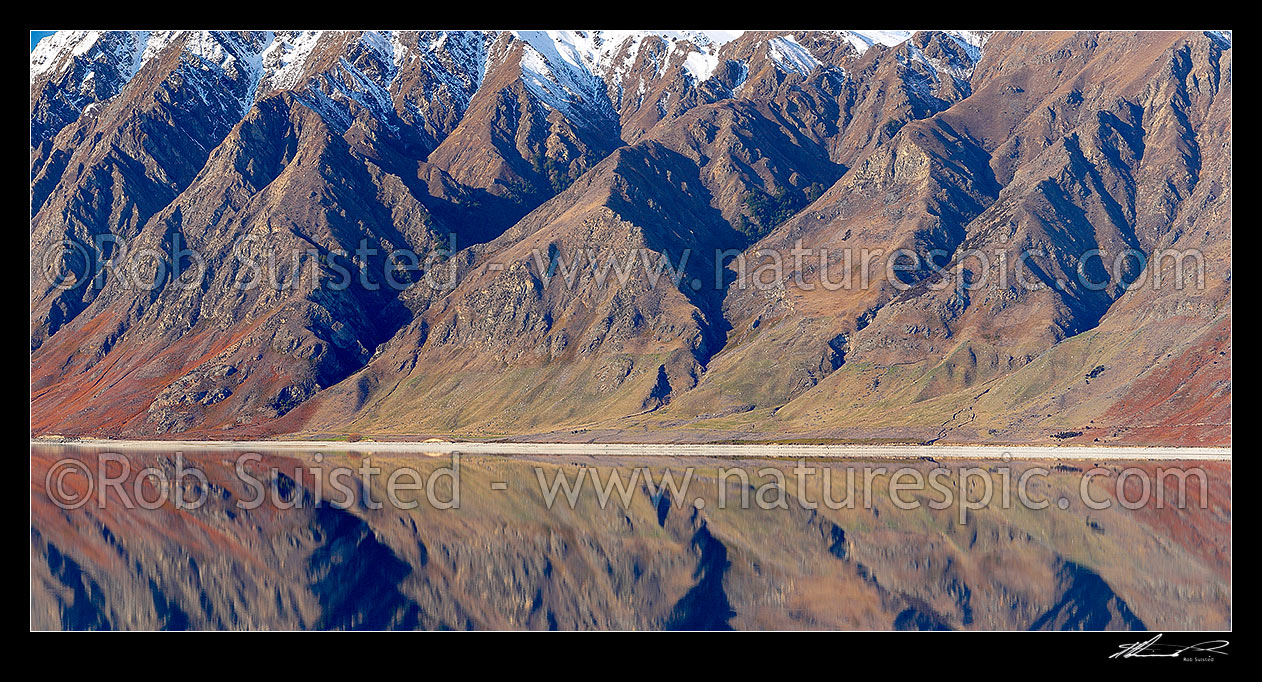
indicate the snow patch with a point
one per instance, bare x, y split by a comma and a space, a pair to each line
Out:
560, 69
862, 40
972, 42
284, 59
58, 51
790, 56
700, 65
1225, 35
569, 65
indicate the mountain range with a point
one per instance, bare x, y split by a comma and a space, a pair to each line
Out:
1061, 203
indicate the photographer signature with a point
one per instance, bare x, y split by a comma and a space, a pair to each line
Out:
1152, 649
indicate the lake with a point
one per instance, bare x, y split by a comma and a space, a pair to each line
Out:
337, 537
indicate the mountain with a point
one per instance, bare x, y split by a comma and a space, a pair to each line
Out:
525, 172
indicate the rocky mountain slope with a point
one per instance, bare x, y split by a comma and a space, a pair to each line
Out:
518, 166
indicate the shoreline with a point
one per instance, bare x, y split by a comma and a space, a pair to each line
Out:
966, 452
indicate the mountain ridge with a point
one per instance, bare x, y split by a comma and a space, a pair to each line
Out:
504, 142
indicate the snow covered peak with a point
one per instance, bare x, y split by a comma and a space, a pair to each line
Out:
580, 73
862, 40
564, 65
559, 65
559, 68
596, 50
284, 58
122, 49
595, 53
74, 71
128, 51
971, 41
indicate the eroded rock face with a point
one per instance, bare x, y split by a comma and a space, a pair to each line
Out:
524, 161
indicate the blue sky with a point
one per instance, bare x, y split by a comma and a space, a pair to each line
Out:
36, 35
